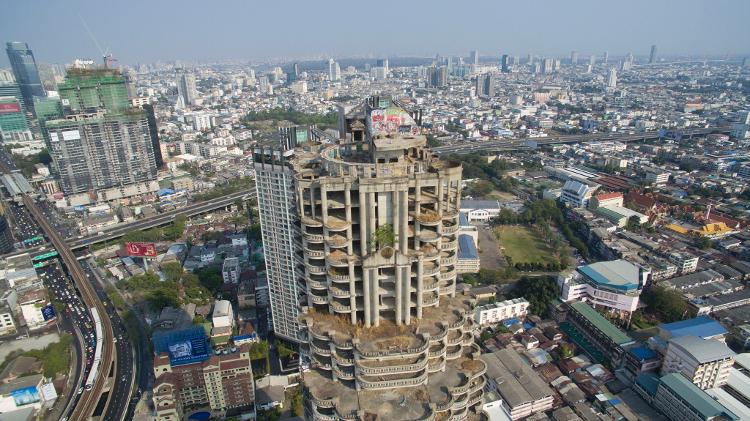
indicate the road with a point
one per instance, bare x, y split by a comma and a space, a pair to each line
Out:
511, 144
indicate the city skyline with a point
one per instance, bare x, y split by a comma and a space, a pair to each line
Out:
213, 34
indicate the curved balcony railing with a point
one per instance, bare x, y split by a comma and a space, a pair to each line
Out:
448, 275
428, 236
408, 352
312, 283
338, 276
315, 270
313, 238
317, 299
320, 351
450, 229
430, 286
338, 292
406, 368
430, 269
449, 245
337, 241
317, 416
429, 218
343, 360
343, 374
341, 308
321, 403
415, 381
447, 290
315, 254
430, 299
450, 213
336, 224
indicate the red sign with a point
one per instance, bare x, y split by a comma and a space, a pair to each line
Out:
10, 108
141, 249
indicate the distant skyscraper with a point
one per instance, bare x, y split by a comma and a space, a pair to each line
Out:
264, 86
592, 59
186, 87
530, 59
505, 63
474, 57
438, 76
485, 85
574, 57
606, 57
652, 56
334, 71
22, 62
293, 73
383, 62
612, 78
547, 64
13, 124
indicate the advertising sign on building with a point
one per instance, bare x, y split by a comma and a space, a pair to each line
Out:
141, 249
10, 108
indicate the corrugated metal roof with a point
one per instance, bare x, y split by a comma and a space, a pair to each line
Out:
466, 247
617, 274
695, 397
701, 326
616, 335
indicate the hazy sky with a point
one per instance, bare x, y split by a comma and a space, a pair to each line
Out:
146, 31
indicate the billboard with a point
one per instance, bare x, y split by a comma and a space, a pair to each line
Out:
10, 108
181, 350
392, 120
48, 312
25, 396
141, 249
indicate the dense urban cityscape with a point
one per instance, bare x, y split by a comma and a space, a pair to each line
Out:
485, 235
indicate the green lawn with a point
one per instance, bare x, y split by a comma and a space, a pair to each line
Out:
523, 245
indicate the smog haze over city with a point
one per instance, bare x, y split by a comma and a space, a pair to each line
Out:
141, 31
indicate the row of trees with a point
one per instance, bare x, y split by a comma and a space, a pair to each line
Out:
538, 291
489, 176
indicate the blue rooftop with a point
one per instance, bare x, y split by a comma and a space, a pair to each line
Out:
702, 327
643, 353
466, 247
462, 219
649, 382
164, 192
616, 274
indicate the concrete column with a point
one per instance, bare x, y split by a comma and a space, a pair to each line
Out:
406, 285
372, 218
440, 195
366, 293
363, 215
375, 297
352, 292
420, 287
348, 207
399, 296
324, 202
396, 218
404, 217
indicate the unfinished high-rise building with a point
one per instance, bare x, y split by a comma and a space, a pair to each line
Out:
388, 335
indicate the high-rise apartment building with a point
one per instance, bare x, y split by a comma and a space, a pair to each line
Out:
334, 71
652, 55
24, 68
438, 76
186, 89
547, 65
574, 57
274, 181
605, 58
99, 151
383, 62
387, 332
474, 57
612, 78
505, 63
485, 85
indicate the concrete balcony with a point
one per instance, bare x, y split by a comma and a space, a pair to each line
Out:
339, 292
428, 236
317, 416
312, 283
343, 361
395, 369
313, 238
450, 229
315, 254
430, 286
320, 351
428, 218
449, 245
341, 259
343, 374
411, 352
434, 367
449, 260
341, 308
338, 277
450, 214
315, 270
311, 222
448, 275
475, 399
337, 241
430, 269
447, 290
430, 300
389, 384
334, 223
317, 299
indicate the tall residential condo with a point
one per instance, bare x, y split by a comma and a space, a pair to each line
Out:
387, 332
22, 62
186, 90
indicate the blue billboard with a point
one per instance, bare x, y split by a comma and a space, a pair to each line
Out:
25, 396
48, 312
